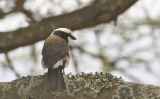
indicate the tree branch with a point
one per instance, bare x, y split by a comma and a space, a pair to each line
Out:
101, 11
10, 65
17, 8
80, 86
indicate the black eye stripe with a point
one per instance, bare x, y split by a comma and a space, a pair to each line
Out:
59, 32
69, 35
64, 33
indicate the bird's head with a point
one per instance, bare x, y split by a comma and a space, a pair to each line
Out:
64, 33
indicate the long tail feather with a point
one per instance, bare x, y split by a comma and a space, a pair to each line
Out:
55, 80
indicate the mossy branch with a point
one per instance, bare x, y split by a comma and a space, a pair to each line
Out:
80, 86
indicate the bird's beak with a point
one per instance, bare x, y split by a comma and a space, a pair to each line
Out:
72, 37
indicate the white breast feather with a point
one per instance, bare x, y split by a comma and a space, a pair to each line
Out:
60, 62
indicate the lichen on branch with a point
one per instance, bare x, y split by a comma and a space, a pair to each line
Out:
79, 86
90, 83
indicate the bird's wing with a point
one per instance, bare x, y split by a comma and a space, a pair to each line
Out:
54, 49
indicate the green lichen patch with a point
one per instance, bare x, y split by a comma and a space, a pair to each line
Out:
25, 85
90, 83
146, 94
124, 92
3, 88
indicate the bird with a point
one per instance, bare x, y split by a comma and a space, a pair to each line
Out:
55, 57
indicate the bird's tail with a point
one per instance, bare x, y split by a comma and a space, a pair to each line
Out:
55, 80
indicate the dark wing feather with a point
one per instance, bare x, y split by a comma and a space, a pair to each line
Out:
54, 49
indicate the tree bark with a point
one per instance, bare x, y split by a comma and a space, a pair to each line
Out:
80, 86
101, 11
